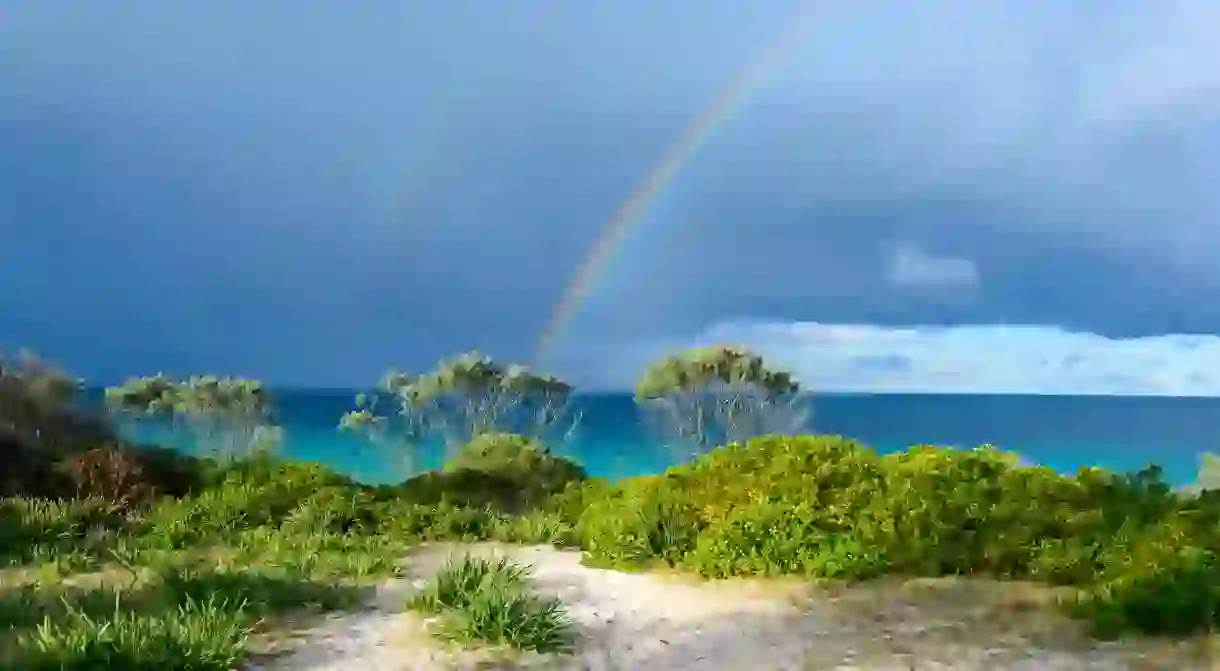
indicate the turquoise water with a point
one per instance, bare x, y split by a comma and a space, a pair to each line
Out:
1063, 432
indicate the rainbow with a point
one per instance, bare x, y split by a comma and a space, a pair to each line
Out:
678, 154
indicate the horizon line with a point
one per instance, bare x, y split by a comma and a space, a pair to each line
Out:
812, 393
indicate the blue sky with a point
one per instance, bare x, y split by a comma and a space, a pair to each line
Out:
921, 196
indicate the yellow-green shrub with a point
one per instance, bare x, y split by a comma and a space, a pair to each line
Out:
828, 507
1161, 581
819, 489
524, 461
508, 473
644, 521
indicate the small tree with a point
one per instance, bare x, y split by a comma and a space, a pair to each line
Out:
39, 408
465, 397
716, 395
224, 417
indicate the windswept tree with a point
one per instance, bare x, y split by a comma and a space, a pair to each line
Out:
223, 417
39, 408
465, 397
711, 396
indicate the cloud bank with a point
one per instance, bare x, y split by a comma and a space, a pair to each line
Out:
953, 359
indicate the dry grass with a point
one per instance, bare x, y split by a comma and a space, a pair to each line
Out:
1003, 621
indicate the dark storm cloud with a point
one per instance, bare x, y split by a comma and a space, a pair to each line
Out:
330, 190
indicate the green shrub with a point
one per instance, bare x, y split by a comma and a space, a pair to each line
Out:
521, 462
443, 521
509, 474
976, 511
464, 488
641, 524
490, 602
821, 489
770, 538
261, 491
1155, 585
828, 507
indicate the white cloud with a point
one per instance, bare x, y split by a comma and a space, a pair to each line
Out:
911, 267
966, 359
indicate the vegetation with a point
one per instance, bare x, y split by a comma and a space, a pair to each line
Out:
224, 417
718, 395
488, 601
40, 426
133, 557
465, 397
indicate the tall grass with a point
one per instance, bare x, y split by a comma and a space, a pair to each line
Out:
207, 635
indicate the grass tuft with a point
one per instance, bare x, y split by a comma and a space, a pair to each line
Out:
486, 601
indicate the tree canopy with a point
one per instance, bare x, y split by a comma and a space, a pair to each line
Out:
38, 407
712, 395
464, 397
227, 416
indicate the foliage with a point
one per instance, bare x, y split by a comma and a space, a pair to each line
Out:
38, 408
490, 602
716, 395
41, 424
522, 463
213, 546
503, 474
54, 447
464, 398
109, 473
827, 507
1159, 586
224, 416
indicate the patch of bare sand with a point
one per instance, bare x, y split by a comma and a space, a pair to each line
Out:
629, 621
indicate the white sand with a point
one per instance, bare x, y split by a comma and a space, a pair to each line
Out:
631, 621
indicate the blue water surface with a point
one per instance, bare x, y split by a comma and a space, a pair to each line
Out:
1062, 432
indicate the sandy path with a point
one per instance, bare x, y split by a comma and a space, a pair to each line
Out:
632, 621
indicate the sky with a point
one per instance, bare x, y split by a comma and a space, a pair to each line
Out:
950, 196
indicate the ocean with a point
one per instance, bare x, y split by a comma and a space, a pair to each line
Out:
1121, 433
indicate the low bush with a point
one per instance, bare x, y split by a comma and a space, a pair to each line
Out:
109, 473
829, 508
525, 461
505, 473
1157, 581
